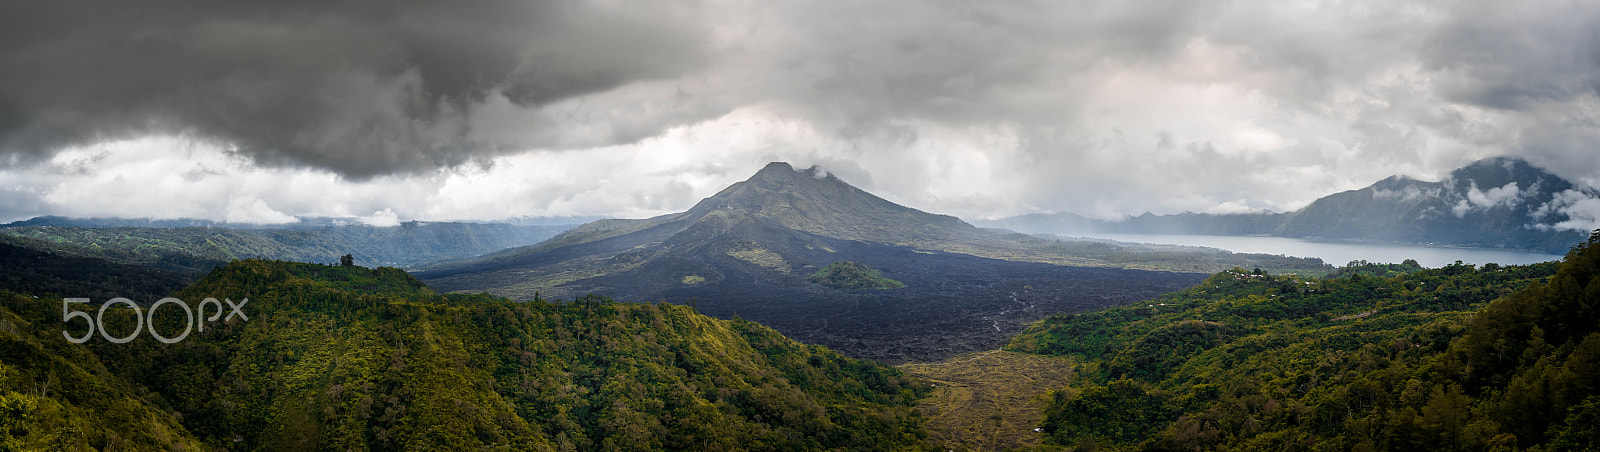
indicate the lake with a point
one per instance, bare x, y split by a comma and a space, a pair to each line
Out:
1338, 253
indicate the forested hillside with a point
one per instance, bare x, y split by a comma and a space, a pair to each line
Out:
56, 395
1418, 360
32, 271
349, 358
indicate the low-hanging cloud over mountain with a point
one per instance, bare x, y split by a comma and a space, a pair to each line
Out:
979, 109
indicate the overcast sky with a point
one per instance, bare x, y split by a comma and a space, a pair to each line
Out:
257, 111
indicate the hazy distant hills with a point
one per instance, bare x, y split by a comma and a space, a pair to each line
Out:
749, 249
301, 223
198, 245
1492, 203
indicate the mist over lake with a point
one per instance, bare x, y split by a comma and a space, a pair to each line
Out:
1338, 252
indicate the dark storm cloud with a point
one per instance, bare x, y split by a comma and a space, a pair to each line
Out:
1536, 66
359, 87
1514, 55
862, 62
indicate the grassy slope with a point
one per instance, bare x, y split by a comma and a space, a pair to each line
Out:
989, 400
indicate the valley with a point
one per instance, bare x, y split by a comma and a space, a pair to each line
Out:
951, 304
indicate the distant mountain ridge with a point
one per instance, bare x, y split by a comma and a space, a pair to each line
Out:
303, 223
1500, 202
198, 245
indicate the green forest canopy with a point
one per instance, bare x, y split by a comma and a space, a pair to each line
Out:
354, 358
1455, 358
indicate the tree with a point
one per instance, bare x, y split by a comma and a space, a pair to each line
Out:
347, 260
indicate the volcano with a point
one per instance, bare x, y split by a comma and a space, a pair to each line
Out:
748, 251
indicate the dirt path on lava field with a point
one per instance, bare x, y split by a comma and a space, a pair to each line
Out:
989, 400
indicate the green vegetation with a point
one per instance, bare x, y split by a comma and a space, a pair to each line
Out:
753, 253
988, 400
29, 270
340, 358
1365, 268
847, 275
56, 395
1407, 360
694, 279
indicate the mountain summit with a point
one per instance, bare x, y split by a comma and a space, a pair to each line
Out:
816, 202
778, 220
779, 205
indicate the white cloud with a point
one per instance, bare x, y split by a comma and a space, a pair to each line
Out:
385, 218
253, 210
1583, 215
1581, 209
1408, 194
1508, 195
